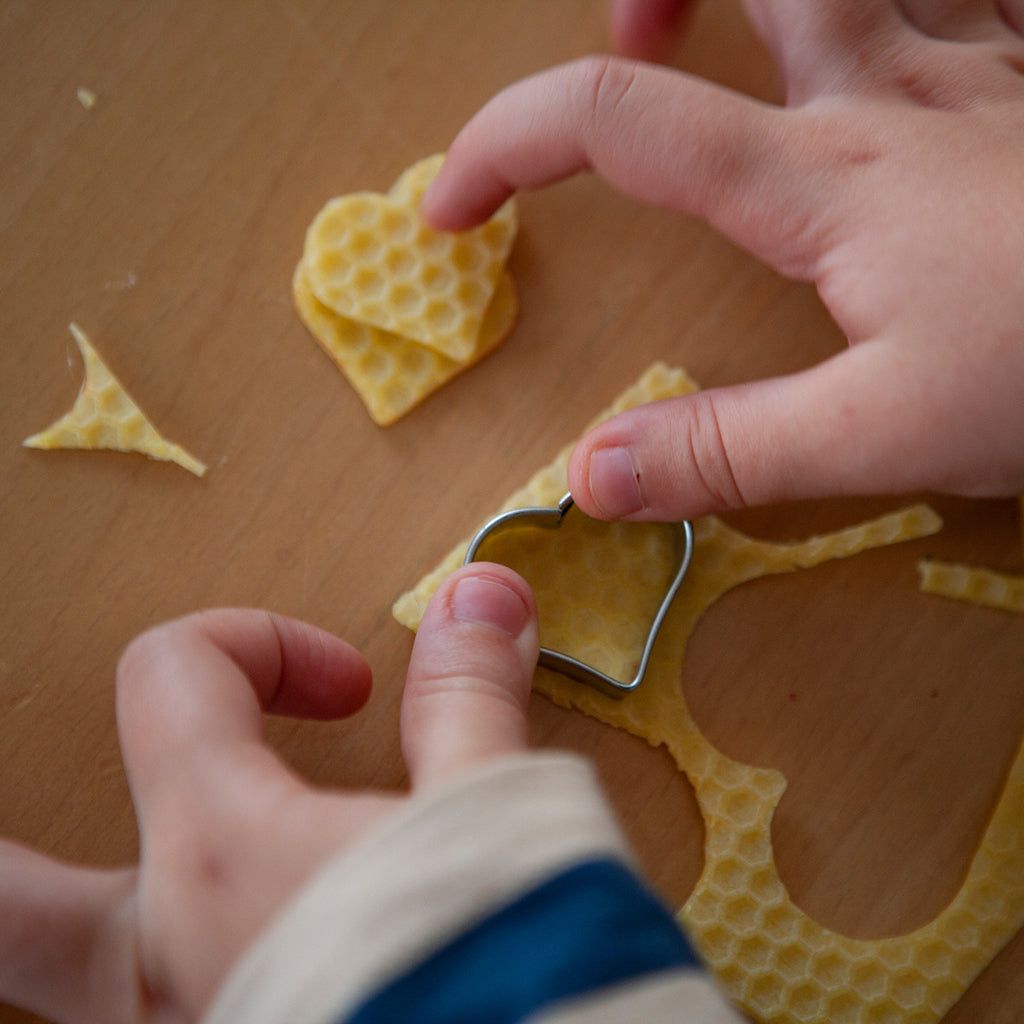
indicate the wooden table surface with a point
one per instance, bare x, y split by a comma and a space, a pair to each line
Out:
167, 220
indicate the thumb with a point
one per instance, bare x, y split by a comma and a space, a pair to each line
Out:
470, 675
843, 427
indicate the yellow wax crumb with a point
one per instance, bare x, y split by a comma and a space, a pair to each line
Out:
105, 416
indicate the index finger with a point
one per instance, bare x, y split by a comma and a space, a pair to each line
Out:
205, 681
753, 170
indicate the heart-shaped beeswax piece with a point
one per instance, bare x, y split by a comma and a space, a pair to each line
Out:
372, 258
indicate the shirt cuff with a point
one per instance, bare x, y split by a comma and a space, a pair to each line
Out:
447, 860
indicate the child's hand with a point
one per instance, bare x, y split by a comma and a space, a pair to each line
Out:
892, 180
227, 832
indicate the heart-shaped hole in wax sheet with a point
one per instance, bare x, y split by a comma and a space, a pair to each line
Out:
630, 566
372, 258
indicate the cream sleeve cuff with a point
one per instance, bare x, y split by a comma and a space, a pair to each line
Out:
445, 861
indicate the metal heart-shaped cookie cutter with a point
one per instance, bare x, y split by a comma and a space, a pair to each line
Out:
551, 518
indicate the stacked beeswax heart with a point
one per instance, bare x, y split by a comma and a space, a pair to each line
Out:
399, 307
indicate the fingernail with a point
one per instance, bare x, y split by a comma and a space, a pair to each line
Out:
615, 483
487, 601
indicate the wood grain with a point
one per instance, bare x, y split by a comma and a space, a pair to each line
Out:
167, 219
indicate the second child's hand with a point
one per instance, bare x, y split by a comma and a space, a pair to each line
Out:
890, 179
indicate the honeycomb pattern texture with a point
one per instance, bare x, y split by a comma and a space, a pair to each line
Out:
392, 374
104, 416
371, 258
974, 584
608, 554
776, 962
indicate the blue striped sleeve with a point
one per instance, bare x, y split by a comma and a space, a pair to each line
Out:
592, 926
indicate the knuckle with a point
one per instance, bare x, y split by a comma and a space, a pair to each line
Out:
604, 82
709, 454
